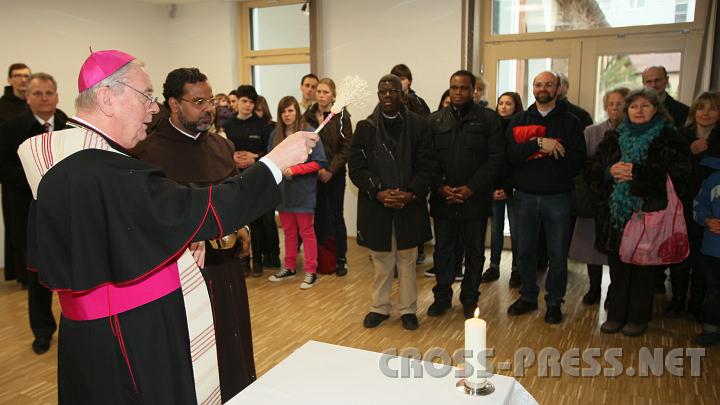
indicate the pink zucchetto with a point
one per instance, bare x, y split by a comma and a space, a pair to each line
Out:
100, 65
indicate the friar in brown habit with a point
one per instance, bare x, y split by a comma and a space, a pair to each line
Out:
184, 146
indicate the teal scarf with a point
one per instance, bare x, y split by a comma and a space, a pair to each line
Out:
634, 140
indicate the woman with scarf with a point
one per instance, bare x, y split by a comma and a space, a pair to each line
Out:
629, 173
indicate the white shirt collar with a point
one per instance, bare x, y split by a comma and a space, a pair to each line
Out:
195, 137
98, 130
50, 121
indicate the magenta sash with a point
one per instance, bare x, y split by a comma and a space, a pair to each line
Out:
109, 299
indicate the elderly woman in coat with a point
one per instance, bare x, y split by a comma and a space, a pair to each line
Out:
582, 247
629, 171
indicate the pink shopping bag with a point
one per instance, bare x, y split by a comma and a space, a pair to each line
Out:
658, 237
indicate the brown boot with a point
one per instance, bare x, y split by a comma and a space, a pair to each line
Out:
592, 297
634, 329
611, 326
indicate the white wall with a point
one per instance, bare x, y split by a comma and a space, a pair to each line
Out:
367, 38
54, 36
204, 35
363, 38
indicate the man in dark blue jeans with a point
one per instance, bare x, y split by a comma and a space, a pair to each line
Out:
546, 148
468, 143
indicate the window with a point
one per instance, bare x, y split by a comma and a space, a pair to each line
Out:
625, 70
517, 74
275, 47
528, 16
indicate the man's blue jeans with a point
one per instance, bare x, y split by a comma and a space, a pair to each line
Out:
553, 212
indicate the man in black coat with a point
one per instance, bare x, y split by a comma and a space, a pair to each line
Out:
656, 77
468, 141
12, 103
392, 164
42, 116
250, 134
546, 149
580, 113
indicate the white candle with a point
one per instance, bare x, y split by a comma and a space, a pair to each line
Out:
475, 344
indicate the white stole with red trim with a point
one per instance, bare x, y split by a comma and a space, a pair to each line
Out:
39, 154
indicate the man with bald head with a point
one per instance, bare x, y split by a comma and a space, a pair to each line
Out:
546, 148
656, 78
110, 234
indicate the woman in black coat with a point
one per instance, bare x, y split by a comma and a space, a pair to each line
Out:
701, 129
651, 149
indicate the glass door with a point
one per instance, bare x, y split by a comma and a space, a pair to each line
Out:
612, 62
512, 67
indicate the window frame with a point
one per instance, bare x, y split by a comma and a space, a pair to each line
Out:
702, 7
279, 56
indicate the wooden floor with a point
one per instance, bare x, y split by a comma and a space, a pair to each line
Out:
285, 317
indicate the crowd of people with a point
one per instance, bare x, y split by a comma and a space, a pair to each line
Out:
571, 189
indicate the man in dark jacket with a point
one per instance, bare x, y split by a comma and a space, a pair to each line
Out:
546, 149
42, 116
468, 142
12, 103
580, 113
250, 134
392, 164
656, 77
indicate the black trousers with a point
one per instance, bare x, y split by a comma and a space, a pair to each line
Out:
631, 295
690, 272
447, 233
329, 213
42, 321
711, 310
264, 237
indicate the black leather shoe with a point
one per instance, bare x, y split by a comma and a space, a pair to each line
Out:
409, 321
469, 309
491, 274
41, 344
515, 281
341, 268
611, 327
438, 308
520, 307
634, 329
373, 319
553, 314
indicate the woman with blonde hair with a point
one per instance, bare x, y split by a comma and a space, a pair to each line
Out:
335, 136
702, 119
